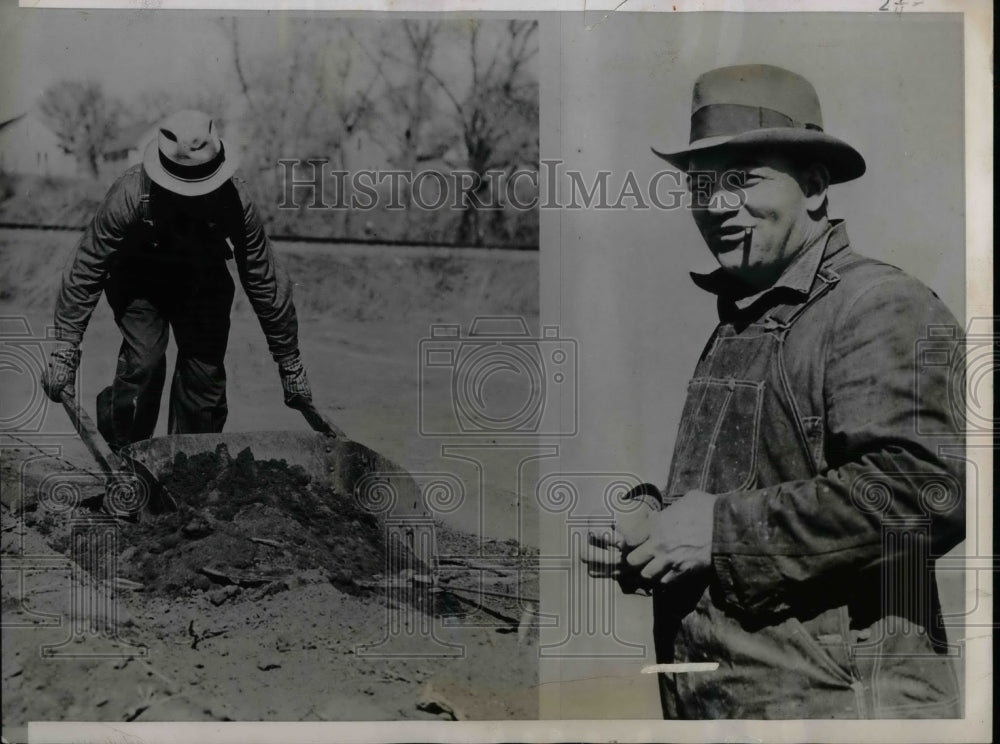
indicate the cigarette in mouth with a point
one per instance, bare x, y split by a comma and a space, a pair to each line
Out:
693, 666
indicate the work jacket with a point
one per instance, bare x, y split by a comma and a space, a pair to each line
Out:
826, 412
130, 235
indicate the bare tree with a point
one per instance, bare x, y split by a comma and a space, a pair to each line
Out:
498, 115
154, 105
304, 100
83, 119
406, 130
479, 117
408, 100
463, 95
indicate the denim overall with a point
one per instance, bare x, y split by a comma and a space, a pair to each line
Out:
168, 279
743, 427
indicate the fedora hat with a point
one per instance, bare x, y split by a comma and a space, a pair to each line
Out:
187, 157
758, 106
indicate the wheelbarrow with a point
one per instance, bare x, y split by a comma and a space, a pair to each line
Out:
134, 489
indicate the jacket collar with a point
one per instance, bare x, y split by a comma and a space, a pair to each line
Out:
797, 279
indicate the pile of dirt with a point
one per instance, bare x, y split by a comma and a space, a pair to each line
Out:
246, 523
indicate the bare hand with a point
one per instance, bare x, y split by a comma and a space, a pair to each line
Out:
679, 543
603, 558
606, 550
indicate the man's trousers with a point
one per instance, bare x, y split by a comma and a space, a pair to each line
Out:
146, 305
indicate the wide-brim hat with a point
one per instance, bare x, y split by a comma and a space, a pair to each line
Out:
762, 106
187, 157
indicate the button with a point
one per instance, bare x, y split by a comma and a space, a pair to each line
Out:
865, 634
731, 385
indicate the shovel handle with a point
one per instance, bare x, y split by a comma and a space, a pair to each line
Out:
315, 419
84, 425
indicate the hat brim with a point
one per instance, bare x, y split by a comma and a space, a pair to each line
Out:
842, 161
154, 169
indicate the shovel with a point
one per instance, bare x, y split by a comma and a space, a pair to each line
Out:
130, 489
314, 418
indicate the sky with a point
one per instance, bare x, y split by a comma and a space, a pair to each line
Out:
125, 51
132, 51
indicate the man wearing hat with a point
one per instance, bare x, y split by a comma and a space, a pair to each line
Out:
817, 470
157, 248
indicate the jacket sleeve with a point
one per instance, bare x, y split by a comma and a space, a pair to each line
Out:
83, 278
889, 401
265, 281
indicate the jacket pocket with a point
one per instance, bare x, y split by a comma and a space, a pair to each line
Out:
716, 449
819, 656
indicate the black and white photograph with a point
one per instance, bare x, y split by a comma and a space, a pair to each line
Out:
761, 258
392, 371
246, 261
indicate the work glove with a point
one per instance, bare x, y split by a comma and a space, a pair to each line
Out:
60, 371
294, 382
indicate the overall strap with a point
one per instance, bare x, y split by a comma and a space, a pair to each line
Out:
145, 208
781, 318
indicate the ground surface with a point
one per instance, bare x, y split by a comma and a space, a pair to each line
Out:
297, 623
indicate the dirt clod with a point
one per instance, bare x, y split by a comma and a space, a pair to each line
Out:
217, 597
